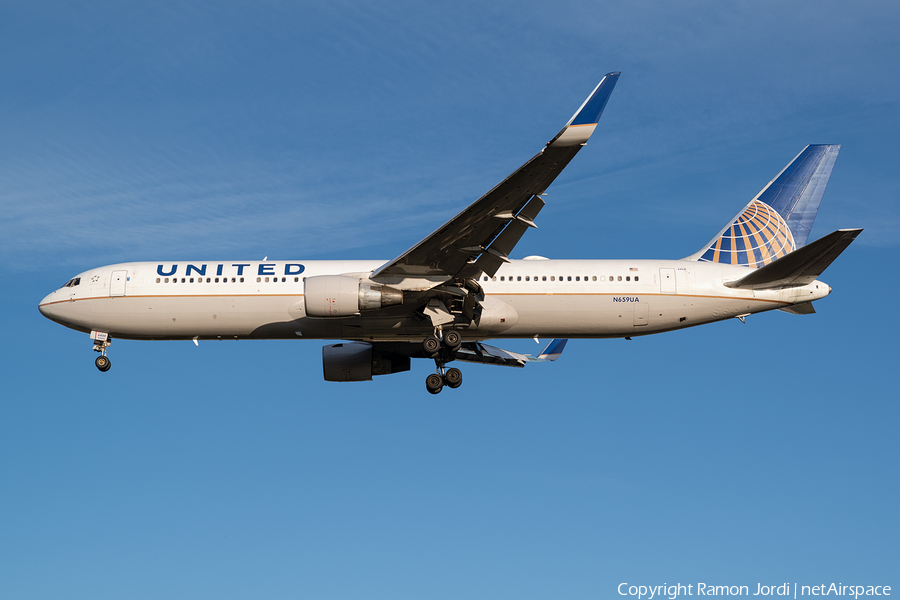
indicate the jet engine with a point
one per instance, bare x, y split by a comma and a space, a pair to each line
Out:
358, 361
343, 296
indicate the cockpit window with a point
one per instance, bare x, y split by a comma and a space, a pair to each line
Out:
73, 282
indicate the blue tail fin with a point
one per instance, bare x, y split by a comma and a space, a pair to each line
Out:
778, 220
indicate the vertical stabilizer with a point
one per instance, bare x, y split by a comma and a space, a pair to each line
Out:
778, 220
797, 191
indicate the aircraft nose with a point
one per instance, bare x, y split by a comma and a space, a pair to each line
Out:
47, 306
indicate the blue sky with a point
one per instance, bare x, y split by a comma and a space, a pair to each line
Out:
730, 454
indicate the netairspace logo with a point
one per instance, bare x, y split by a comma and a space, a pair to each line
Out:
649, 592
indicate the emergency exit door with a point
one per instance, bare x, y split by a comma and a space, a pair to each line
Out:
117, 283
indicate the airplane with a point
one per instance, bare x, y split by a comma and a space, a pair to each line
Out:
449, 293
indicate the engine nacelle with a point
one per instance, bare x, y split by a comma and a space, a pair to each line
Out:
358, 361
344, 296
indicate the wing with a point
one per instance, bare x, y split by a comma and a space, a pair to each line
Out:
477, 352
480, 238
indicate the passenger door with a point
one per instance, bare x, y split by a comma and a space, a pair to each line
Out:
667, 281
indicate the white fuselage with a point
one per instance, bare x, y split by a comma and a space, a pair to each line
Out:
526, 298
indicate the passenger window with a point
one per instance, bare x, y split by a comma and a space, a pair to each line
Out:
485, 278
167, 280
527, 278
502, 278
267, 280
208, 280
594, 278
494, 278
217, 280
552, 278
635, 277
569, 278
258, 279
157, 280
620, 278
182, 280
628, 278
519, 278
578, 279
232, 280
544, 278
296, 279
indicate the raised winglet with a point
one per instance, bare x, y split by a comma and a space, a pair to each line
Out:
553, 350
580, 127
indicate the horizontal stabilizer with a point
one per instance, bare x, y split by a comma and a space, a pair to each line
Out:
804, 308
801, 266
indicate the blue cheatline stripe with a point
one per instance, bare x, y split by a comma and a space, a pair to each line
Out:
593, 108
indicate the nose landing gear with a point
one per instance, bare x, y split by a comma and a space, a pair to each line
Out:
442, 348
101, 343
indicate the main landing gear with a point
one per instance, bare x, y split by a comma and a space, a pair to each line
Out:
442, 348
101, 343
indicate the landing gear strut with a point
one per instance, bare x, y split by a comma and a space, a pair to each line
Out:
101, 343
442, 348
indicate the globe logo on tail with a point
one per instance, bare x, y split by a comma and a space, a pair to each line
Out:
757, 237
